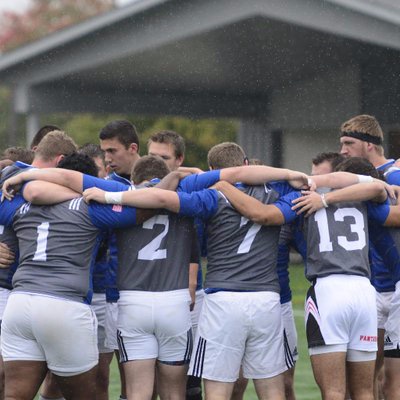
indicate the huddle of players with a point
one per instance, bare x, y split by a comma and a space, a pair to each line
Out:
241, 311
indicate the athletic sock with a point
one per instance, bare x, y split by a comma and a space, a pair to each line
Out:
122, 398
48, 398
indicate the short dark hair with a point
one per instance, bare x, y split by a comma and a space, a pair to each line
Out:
123, 130
169, 137
18, 154
332, 157
358, 165
148, 168
41, 133
92, 150
79, 162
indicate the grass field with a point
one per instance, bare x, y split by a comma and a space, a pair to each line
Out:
305, 386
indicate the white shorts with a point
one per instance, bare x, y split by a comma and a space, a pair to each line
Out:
155, 325
195, 313
239, 328
341, 310
99, 308
110, 327
290, 334
392, 334
40, 328
4, 293
383, 300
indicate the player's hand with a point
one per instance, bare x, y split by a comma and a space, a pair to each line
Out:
309, 203
300, 180
11, 186
7, 257
94, 194
396, 191
5, 163
392, 190
397, 163
190, 170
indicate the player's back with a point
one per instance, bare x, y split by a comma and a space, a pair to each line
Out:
155, 255
242, 255
337, 241
56, 247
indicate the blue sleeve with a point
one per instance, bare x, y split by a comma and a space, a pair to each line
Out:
203, 204
282, 187
285, 205
393, 176
104, 184
193, 183
8, 209
378, 212
111, 215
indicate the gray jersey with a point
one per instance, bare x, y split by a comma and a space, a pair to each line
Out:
242, 255
337, 241
56, 247
155, 256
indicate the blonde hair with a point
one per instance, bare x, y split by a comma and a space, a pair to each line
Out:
55, 143
226, 154
366, 124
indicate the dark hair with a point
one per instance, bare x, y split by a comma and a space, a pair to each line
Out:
169, 137
147, 168
123, 130
360, 166
79, 162
18, 154
92, 150
255, 161
333, 158
41, 133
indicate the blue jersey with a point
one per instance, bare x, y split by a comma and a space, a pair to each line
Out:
381, 277
386, 243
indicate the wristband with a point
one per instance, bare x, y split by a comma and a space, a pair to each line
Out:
365, 179
113, 197
324, 203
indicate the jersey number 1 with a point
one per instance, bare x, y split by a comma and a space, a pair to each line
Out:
41, 242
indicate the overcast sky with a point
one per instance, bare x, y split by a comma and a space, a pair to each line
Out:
20, 5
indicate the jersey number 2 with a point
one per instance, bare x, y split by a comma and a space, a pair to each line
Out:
152, 250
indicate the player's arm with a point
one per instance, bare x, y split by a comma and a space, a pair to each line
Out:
312, 201
201, 204
7, 257
259, 174
143, 198
249, 207
63, 177
193, 272
171, 181
337, 180
43, 193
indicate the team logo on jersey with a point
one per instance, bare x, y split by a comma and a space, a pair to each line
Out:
75, 203
117, 208
388, 341
24, 208
368, 338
